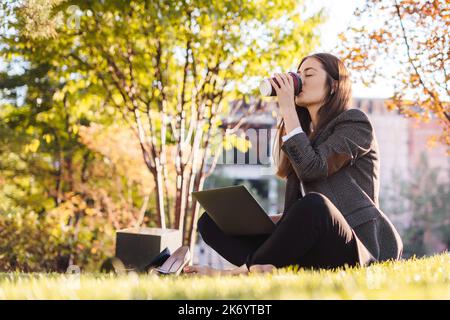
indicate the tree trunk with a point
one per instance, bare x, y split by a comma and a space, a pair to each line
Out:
160, 196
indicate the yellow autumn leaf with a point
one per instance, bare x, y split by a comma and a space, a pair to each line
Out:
90, 211
32, 146
58, 95
48, 138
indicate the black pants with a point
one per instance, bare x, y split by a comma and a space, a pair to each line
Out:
312, 234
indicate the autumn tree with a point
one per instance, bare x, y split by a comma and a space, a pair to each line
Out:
407, 41
171, 68
63, 161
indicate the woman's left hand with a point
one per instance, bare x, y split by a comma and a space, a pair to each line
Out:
285, 92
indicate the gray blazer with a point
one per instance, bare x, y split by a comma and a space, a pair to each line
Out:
342, 163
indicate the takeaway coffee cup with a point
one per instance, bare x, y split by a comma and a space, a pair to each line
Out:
266, 89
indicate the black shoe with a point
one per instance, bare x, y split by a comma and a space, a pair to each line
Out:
113, 265
158, 260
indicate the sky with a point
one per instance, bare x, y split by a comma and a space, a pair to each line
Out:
340, 14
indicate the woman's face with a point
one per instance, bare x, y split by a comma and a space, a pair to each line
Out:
314, 89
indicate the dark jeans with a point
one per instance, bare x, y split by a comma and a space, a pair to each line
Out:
312, 234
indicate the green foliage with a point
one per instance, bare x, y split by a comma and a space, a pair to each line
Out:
45, 243
67, 71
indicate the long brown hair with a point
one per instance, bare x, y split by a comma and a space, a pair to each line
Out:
334, 104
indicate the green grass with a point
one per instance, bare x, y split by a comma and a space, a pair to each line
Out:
427, 278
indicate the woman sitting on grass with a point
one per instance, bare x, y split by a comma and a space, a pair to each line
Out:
329, 156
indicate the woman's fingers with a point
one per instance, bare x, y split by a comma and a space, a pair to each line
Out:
285, 83
291, 81
287, 80
280, 80
274, 85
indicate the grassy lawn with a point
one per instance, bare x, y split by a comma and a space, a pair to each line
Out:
427, 278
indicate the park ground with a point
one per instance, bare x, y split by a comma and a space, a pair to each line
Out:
415, 278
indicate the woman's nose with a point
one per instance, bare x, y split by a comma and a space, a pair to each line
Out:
302, 78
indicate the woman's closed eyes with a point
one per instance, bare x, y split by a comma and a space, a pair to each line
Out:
307, 75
